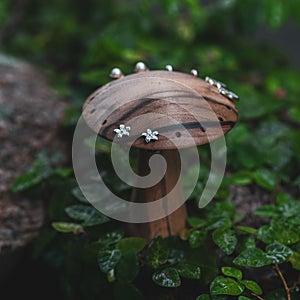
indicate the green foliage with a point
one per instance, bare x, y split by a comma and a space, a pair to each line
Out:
217, 250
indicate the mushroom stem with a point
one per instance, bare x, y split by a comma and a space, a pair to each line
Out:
173, 223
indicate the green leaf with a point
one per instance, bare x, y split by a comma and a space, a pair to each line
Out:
203, 297
279, 253
232, 272
295, 260
67, 227
278, 231
197, 238
252, 286
226, 286
134, 244
226, 239
243, 298
158, 253
216, 222
110, 238
253, 257
38, 171
88, 214
196, 222
269, 211
168, 277
188, 271
128, 267
108, 259
247, 229
246, 242
265, 179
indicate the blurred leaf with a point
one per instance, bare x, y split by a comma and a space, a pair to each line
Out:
295, 260
134, 244
110, 238
232, 272
268, 211
158, 253
252, 286
168, 277
89, 215
108, 259
197, 238
188, 271
128, 266
203, 297
247, 229
67, 227
196, 222
226, 239
265, 179
278, 253
225, 286
253, 257
279, 231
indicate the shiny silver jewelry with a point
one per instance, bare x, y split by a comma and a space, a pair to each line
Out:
122, 130
169, 68
140, 67
228, 94
116, 73
215, 82
150, 135
194, 72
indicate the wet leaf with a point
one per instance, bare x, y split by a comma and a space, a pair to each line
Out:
232, 272
226, 286
108, 259
158, 253
253, 257
252, 286
278, 253
168, 277
226, 239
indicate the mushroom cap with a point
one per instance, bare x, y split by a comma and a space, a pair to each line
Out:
184, 109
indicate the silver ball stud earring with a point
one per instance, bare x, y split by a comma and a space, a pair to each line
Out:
140, 67
194, 72
116, 73
169, 68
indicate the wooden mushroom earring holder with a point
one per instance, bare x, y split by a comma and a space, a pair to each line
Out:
152, 137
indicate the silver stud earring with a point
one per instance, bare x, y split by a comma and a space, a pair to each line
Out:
214, 82
140, 67
150, 135
116, 73
122, 130
228, 94
194, 72
169, 68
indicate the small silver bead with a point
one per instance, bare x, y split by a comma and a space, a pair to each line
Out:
169, 68
194, 72
215, 82
116, 73
228, 94
140, 67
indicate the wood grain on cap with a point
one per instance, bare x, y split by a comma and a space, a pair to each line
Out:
187, 110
